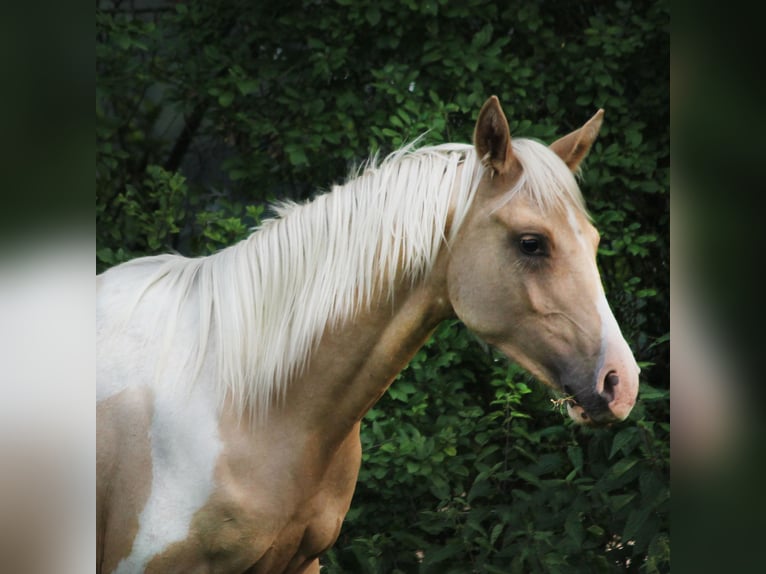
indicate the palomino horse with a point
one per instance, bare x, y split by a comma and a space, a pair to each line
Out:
231, 387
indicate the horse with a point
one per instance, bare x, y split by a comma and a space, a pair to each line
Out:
231, 387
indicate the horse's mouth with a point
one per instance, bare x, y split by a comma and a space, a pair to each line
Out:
577, 412
580, 416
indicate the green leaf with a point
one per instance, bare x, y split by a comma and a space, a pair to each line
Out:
635, 521
122, 40
497, 529
622, 466
618, 501
483, 36
660, 340
634, 138
649, 393
297, 155
575, 457
373, 15
574, 529
623, 439
440, 555
658, 554
596, 530
529, 477
247, 87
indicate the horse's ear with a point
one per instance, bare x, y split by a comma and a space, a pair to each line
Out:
573, 147
492, 137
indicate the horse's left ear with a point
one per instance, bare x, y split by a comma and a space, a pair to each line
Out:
492, 137
573, 147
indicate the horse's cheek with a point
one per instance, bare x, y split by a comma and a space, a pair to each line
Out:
480, 305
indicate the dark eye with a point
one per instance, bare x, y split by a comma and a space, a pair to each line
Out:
531, 245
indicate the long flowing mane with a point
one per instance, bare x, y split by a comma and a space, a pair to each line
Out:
264, 303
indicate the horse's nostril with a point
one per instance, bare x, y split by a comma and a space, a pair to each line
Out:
610, 382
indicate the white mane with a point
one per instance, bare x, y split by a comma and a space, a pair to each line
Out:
265, 302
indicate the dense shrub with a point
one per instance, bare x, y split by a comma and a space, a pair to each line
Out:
207, 111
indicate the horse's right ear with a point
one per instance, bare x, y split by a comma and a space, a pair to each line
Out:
492, 137
573, 147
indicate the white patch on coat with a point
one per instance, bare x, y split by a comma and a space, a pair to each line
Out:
185, 448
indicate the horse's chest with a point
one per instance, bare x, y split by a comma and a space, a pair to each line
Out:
220, 500
268, 518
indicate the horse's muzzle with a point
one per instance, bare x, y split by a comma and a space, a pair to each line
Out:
611, 401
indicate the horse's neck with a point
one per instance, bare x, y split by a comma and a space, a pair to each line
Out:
354, 364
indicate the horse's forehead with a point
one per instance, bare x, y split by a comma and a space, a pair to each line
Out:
559, 215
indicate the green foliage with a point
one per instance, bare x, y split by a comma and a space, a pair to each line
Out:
207, 111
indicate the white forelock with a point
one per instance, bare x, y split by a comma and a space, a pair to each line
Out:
545, 178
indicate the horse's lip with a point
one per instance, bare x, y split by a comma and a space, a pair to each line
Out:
576, 411
580, 414
577, 414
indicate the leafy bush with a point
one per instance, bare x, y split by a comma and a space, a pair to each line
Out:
208, 111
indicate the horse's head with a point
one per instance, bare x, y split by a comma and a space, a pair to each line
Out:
522, 270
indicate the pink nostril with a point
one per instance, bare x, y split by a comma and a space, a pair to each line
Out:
610, 382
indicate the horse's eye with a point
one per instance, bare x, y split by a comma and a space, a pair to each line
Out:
531, 245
